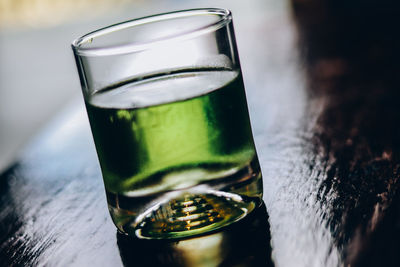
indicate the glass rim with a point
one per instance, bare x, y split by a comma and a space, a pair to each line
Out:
225, 18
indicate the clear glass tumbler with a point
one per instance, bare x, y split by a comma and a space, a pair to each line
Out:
167, 108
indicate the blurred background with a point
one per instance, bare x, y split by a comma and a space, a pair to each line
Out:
38, 78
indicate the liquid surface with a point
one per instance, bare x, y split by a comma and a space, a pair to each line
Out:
173, 133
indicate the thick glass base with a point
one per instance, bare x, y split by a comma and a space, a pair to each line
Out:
190, 211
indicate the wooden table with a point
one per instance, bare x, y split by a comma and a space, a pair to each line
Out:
323, 91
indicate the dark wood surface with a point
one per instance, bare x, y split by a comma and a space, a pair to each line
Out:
323, 88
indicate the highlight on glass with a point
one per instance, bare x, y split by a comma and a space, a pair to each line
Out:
167, 108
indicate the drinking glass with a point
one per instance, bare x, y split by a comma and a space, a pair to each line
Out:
166, 103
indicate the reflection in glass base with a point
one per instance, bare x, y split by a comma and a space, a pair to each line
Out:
188, 211
193, 214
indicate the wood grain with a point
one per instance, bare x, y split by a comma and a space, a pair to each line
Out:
323, 87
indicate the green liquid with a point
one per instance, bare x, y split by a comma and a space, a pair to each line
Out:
175, 133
